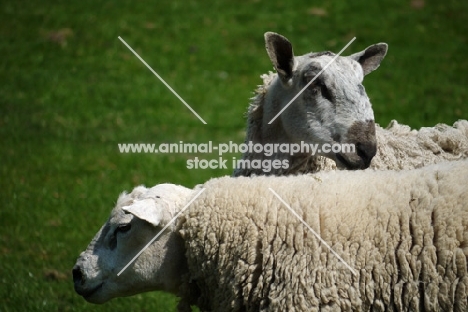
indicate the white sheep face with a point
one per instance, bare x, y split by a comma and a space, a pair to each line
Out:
334, 108
136, 219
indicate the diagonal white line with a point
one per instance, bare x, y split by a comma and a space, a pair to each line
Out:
162, 80
313, 79
160, 232
313, 232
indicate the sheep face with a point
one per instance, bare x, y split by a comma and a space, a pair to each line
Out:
334, 108
137, 218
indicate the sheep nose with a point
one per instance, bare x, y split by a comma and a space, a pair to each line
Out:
366, 151
77, 275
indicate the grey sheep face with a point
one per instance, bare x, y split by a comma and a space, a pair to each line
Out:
333, 109
136, 219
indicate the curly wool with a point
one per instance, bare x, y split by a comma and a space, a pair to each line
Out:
399, 147
405, 233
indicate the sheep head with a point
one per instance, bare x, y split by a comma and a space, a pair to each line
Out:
136, 219
330, 102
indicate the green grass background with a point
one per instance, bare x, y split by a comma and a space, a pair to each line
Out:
70, 91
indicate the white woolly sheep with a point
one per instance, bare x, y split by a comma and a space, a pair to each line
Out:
237, 247
335, 109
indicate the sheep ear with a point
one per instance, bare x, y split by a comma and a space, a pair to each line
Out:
145, 209
371, 57
281, 54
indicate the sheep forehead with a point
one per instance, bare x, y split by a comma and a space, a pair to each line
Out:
170, 193
127, 198
168, 197
164, 191
139, 193
119, 216
340, 69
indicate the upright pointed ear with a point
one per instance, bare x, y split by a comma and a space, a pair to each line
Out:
371, 57
145, 209
281, 54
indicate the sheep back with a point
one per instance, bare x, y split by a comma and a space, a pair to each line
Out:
405, 234
399, 147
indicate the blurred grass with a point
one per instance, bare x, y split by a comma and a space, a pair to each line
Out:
70, 91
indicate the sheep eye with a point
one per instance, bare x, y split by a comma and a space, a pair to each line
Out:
123, 228
308, 78
319, 86
325, 93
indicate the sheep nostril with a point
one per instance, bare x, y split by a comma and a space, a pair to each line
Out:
77, 274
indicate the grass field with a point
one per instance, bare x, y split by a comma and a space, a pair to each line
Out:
70, 91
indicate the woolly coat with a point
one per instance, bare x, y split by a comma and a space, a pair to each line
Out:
403, 233
399, 147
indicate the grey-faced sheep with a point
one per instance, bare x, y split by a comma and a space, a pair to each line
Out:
335, 109
402, 239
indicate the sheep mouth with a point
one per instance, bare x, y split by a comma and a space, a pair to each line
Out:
88, 293
348, 164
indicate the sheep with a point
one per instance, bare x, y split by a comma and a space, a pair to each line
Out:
399, 241
335, 109
159, 267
